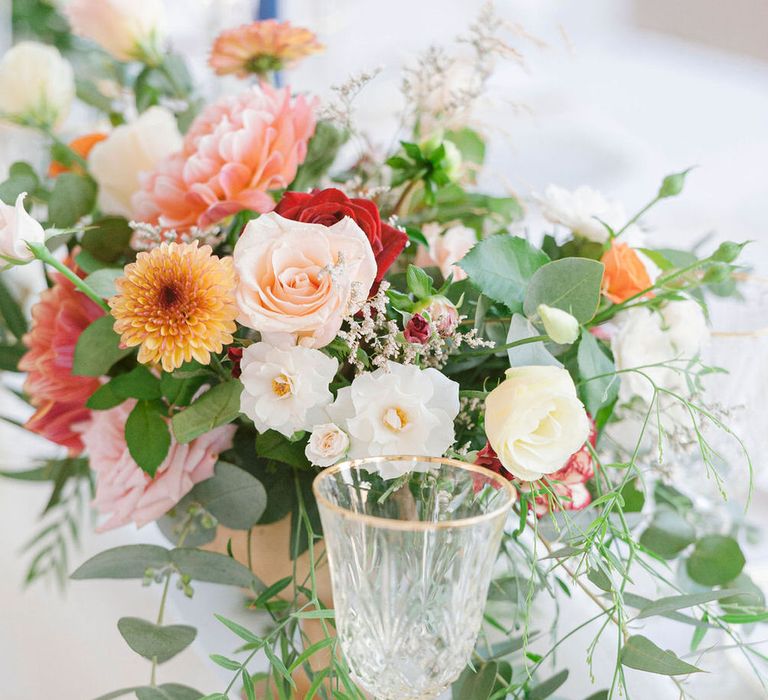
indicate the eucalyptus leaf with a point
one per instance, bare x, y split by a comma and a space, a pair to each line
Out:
475, 685
642, 654
715, 560
154, 641
107, 239
126, 562
98, 348
570, 284
234, 497
103, 281
212, 567
548, 687
501, 267
21, 178
73, 196
593, 362
668, 534
678, 602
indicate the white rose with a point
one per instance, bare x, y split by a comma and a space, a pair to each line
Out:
327, 444
284, 388
644, 339
129, 150
36, 84
561, 326
17, 228
582, 211
398, 410
446, 249
535, 421
127, 29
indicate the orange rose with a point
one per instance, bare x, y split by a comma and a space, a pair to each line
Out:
82, 145
625, 275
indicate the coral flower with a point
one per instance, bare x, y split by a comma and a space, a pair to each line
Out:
58, 319
235, 151
625, 275
177, 303
82, 145
261, 47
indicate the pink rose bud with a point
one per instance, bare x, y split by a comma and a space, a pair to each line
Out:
418, 330
444, 315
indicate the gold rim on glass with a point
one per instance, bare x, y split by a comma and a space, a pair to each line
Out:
395, 524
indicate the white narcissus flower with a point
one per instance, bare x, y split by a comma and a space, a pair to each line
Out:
117, 162
327, 444
398, 410
561, 326
284, 388
643, 337
582, 211
36, 84
127, 29
535, 421
17, 228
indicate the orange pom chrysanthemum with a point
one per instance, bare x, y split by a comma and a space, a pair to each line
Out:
177, 303
261, 47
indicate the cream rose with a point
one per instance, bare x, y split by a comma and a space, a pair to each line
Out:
297, 281
127, 29
36, 84
117, 162
535, 421
327, 444
17, 228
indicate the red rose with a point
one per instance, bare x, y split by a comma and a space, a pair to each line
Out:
417, 330
329, 206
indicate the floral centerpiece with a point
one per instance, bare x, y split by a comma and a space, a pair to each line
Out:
238, 298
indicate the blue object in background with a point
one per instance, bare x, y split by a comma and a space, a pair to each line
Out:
267, 9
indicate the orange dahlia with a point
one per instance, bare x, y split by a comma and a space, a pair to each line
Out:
177, 303
261, 47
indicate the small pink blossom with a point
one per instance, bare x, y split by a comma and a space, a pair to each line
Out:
446, 249
127, 493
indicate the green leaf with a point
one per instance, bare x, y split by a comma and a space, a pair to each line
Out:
672, 185
218, 406
234, 497
416, 236
224, 662
104, 398
678, 602
242, 632
10, 356
11, 312
469, 143
715, 560
21, 178
126, 562
72, 198
570, 284
250, 693
139, 383
593, 362
103, 281
155, 641
179, 389
475, 685
549, 686
212, 567
98, 348
321, 152
668, 534
748, 595
419, 282
599, 695
634, 498
147, 436
107, 239
176, 691
274, 445
502, 266
642, 654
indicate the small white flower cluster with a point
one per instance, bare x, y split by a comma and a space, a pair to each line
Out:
385, 342
148, 236
469, 412
340, 109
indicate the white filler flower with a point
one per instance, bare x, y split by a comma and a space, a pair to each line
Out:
398, 410
582, 211
284, 388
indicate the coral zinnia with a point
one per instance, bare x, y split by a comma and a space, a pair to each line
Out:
59, 397
261, 47
177, 303
234, 152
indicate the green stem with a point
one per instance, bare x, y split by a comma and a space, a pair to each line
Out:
43, 254
160, 613
404, 198
82, 162
637, 216
513, 344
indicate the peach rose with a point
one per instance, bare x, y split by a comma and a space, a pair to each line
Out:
625, 275
297, 281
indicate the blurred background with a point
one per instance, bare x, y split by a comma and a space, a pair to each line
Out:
614, 94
